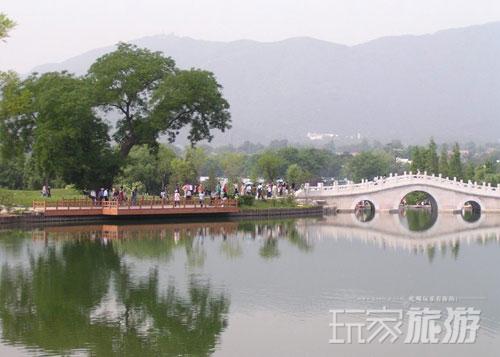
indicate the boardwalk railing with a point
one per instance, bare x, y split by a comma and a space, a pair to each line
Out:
395, 180
151, 202
75, 203
142, 205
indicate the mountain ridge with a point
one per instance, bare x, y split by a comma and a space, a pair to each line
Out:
445, 84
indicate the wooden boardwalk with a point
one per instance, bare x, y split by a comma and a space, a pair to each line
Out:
143, 207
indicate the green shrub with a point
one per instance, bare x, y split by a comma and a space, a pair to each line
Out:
6, 199
246, 200
290, 201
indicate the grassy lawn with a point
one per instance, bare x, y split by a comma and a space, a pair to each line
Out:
25, 197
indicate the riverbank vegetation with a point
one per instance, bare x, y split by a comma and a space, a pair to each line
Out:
250, 203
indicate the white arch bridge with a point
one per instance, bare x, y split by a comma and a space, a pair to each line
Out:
386, 193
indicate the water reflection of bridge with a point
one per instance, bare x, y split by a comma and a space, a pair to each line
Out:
389, 230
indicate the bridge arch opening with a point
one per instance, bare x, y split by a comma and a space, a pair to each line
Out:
364, 211
471, 211
418, 211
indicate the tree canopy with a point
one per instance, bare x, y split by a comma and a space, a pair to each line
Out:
369, 164
50, 117
153, 97
6, 25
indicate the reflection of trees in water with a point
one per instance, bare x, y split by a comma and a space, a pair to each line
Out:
471, 215
12, 240
430, 249
455, 249
420, 219
161, 244
271, 232
270, 248
50, 306
231, 248
161, 241
431, 252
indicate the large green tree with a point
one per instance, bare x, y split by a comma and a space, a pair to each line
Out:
153, 98
268, 165
51, 117
369, 164
233, 165
418, 159
296, 175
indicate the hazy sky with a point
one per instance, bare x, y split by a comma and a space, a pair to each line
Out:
53, 30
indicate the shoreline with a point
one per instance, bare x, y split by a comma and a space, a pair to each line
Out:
34, 220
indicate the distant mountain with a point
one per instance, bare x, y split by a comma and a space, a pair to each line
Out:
445, 85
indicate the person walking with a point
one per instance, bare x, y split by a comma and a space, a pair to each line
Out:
201, 195
218, 190
93, 196
133, 197
177, 199
260, 195
100, 195
121, 196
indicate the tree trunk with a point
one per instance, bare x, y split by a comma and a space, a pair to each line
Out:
126, 145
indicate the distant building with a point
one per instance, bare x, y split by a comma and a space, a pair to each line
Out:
321, 136
401, 160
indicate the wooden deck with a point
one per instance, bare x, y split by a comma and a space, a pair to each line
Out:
143, 207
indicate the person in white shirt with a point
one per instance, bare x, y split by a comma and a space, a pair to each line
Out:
177, 199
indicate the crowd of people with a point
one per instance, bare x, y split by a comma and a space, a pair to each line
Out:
115, 194
270, 190
199, 192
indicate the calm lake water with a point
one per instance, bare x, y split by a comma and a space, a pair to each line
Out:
246, 288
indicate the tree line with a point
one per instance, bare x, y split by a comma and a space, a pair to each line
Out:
151, 170
452, 164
